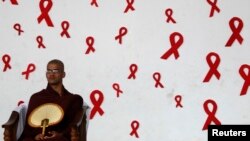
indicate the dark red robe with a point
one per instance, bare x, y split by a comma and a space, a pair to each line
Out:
70, 103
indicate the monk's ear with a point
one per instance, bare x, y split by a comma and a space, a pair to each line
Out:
64, 74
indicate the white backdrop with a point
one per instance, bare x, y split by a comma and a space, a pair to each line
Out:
155, 108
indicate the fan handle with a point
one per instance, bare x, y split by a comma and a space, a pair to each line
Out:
44, 124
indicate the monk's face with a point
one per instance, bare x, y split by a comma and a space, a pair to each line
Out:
54, 74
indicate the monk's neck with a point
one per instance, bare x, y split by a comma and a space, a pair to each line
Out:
58, 89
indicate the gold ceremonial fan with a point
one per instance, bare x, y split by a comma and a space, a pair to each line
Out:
45, 115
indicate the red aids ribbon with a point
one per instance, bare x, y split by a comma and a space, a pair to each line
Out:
169, 13
129, 6
213, 66
65, 27
178, 101
17, 27
123, 31
31, 68
134, 125
45, 12
236, 31
157, 78
90, 42
93, 2
6, 60
14, 2
174, 45
39, 40
133, 69
96, 102
20, 102
211, 115
117, 88
213, 7
246, 77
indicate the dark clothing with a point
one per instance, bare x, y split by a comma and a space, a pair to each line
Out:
70, 103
